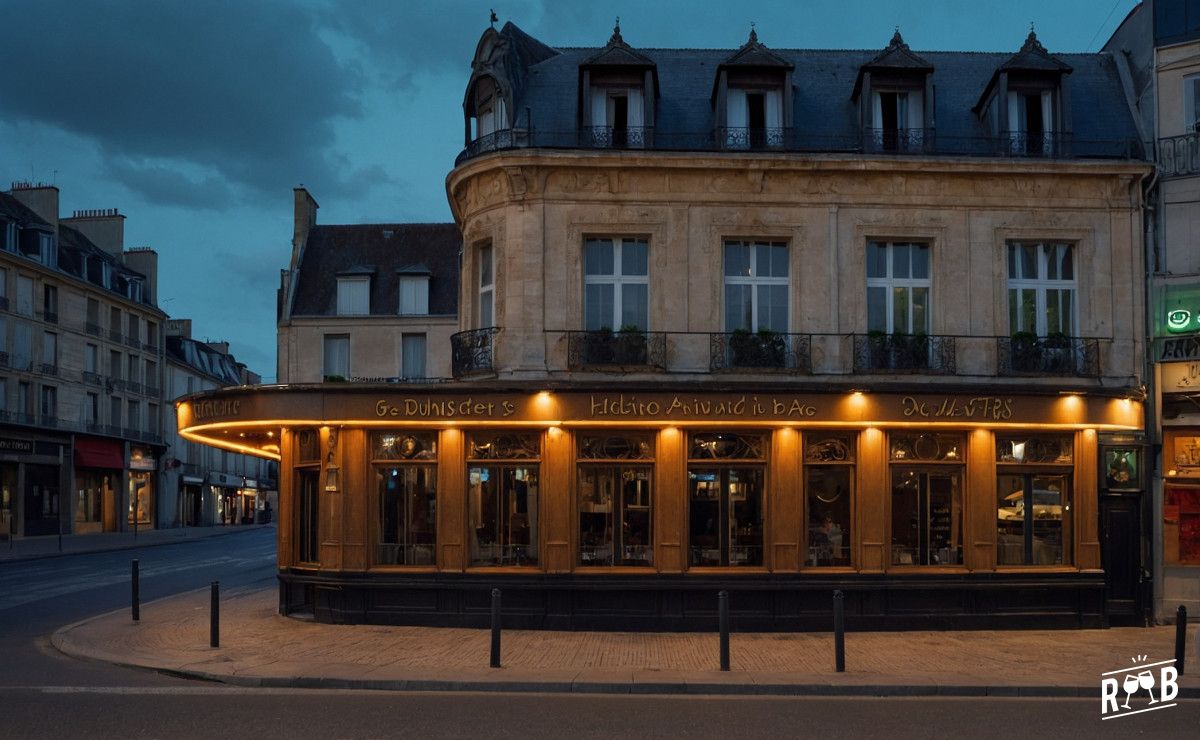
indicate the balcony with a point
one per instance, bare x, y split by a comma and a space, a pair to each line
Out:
904, 353
616, 350
45, 368
113, 383
133, 342
151, 390
1028, 354
50, 317
90, 378
1179, 156
93, 329
3, 303
115, 335
762, 351
112, 430
1051, 144
472, 352
133, 386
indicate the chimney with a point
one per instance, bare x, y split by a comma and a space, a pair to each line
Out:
305, 217
179, 328
104, 226
40, 198
145, 261
219, 347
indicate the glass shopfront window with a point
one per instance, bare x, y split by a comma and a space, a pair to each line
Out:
141, 498
308, 481
502, 499
406, 493
927, 499
1181, 524
829, 497
615, 500
8, 499
1033, 499
92, 489
725, 499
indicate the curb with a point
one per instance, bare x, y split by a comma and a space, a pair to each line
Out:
130, 546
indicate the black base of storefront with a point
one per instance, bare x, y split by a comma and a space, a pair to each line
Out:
689, 603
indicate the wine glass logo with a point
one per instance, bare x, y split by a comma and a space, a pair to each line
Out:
1146, 681
1130, 685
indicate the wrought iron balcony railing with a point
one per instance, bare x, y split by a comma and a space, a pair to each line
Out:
472, 352
615, 350
133, 342
50, 317
1179, 156
899, 141
45, 368
1053, 355
904, 353
3, 303
3, 359
764, 350
115, 335
1051, 144
92, 328
90, 378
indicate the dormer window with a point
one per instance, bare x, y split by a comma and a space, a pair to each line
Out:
892, 90
354, 291
617, 89
752, 98
414, 290
490, 113
8, 236
135, 290
1191, 104
1024, 103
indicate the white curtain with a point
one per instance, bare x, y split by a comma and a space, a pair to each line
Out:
735, 119
412, 356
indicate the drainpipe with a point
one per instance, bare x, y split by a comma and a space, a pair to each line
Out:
1150, 407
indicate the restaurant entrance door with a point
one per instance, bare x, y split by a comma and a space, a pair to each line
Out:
1121, 556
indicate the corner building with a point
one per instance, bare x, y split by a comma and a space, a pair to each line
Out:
772, 321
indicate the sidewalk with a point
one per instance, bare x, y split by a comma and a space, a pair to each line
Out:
261, 648
34, 548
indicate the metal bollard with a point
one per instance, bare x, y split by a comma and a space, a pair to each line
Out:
495, 628
723, 626
839, 630
214, 611
134, 596
1180, 637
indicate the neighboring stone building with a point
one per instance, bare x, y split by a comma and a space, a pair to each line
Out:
80, 371
769, 321
203, 485
1157, 48
367, 302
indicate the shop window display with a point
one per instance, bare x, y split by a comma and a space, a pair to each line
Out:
927, 499
725, 502
406, 492
1033, 499
615, 500
502, 499
829, 493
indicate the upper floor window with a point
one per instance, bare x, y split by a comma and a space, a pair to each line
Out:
8, 236
618, 116
3, 289
756, 286
337, 357
898, 120
1191, 103
754, 118
414, 294
616, 283
898, 287
49, 406
1041, 288
47, 254
49, 349
491, 114
353, 296
135, 328
1031, 121
135, 288
487, 288
24, 295
412, 356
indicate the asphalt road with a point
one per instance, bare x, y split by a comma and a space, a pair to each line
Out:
45, 694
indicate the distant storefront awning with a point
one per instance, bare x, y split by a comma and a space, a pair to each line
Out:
99, 453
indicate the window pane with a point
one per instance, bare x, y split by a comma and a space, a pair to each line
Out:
598, 307
1014, 311
920, 261
485, 308
876, 309
772, 260
828, 492
633, 258
1028, 310
503, 505
1067, 260
1050, 516
745, 528
1010, 520
900, 314
1050, 252
772, 308
1053, 314
407, 523
926, 517
1027, 264
876, 260
598, 257
737, 259
737, 307
412, 350
634, 306
485, 267
596, 508
920, 311
704, 517
900, 264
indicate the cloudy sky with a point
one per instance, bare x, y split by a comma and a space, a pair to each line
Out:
197, 118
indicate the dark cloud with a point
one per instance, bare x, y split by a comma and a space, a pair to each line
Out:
168, 186
248, 89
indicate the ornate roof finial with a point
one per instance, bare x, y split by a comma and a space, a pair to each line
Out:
753, 34
1031, 41
615, 39
493, 17
898, 40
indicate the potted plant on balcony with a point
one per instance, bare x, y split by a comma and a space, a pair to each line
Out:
1056, 353
629, 347
765, 349
908, 351
597, 347
1025, 352
877, 350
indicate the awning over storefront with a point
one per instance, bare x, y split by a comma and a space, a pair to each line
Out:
99, 453
193, 480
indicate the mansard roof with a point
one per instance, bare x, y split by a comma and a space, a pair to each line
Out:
385, 251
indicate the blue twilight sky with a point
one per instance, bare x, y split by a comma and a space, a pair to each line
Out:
196, 118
